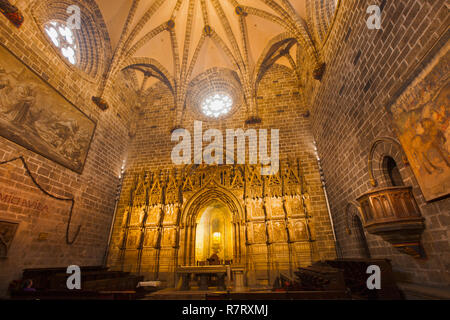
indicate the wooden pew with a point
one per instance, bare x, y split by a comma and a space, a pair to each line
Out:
96, 283
355, 277
320, 277
289, 295
346, 275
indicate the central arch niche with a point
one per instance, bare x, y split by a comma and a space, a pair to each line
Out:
212, 203
214, 234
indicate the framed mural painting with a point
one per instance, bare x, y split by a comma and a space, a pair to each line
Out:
36, 116
421, 116
7, 232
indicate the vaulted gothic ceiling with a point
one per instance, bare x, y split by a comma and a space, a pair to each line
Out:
175, 40
245, 36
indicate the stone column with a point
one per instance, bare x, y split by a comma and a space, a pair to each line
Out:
238, 280
235, 245
191, 244
185, 284
228, 276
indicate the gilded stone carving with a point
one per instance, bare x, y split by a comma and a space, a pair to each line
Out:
169, 237
170, 215
255, 208
259, 219
259, 232
278, 231
150, 238
133, 238
154, 214
297, 230
275, 207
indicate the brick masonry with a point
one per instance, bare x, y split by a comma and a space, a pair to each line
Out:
365, 69
94, 190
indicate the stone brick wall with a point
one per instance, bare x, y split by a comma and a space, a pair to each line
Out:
365, 70
94, 190
280, 107
320, 15
279, 104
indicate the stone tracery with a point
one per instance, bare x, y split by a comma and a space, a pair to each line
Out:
269, 215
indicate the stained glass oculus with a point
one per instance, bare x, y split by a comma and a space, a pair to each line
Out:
63, 38
217, 104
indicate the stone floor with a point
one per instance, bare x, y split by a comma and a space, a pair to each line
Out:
422, 292
173, 294
249, 294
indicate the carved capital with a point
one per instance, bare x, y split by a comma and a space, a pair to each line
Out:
253, 120
100, 102
319, 71
11, 12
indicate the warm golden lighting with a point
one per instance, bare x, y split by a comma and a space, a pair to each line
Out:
216, 237
214, 233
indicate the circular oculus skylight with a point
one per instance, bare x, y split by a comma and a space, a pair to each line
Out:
217, 105
63, 38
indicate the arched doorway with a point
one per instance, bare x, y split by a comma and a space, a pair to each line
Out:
212, 222
214, 234
391, 172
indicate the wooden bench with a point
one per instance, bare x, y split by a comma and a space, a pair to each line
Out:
344, 275
96, 283
320, 277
